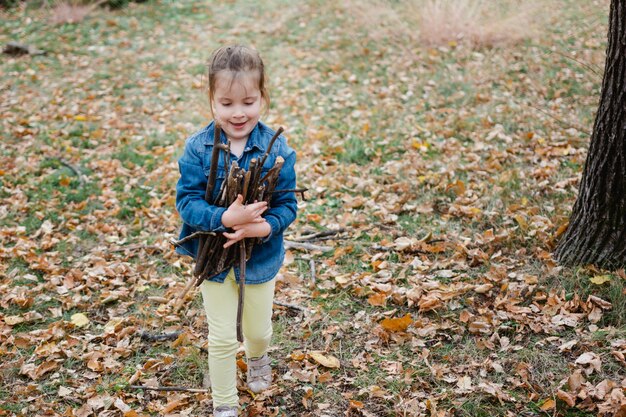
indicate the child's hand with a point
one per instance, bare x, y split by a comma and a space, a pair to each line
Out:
237, 213
243, 231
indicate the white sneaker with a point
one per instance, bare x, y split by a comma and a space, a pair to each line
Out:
259, 374
226, 411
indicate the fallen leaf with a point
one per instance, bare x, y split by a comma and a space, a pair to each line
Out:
377, 299
568, 398
589, 358
549, 404
483, 289
600, 279
172, 405
328, 361
13, 320
79, 320
397, 324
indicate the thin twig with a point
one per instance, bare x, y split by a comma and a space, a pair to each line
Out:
184, 389
72, 167
562, 122
242, 288
159, 337
190, 237
392, 249
312, 265
306, 246
136, 246
596, 71
316, 236
269, 147
292, 306
181, 298
301, 191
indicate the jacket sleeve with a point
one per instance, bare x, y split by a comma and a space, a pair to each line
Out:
190, 191
283, 206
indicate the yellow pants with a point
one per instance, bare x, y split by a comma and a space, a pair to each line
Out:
220, 304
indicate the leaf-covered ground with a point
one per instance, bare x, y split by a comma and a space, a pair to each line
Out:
445, 173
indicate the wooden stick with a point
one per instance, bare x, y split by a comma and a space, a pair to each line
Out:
306, 246
191, 237
242, 286
208, 195
269, 147
292, 306
312, 265
143, 387
159, 337
318, 235
181, 297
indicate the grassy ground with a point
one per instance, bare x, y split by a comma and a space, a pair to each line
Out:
449, 168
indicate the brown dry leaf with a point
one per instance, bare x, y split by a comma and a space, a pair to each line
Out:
377, 299
591, 359
328, 361
483, 289
397, 324
356, 404
173, 405
566, 397
430, 301
479, 326
576, 381
242, 365
457, 187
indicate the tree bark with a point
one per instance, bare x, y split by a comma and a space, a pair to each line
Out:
597, 229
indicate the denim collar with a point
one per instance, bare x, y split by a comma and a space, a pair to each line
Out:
254, 140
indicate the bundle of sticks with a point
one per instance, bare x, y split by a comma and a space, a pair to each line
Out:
212, 258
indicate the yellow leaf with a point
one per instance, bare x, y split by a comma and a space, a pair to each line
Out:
79, 320
80, 117
549, 404
397, 324
13, 320
523, 224
600, 279
328, 361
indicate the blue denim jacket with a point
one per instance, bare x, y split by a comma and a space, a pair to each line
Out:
267, 257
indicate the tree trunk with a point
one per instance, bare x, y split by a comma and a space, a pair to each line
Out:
597, 229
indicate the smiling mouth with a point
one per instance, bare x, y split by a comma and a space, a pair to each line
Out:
238, 125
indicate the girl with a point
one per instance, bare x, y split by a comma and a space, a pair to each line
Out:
237, 94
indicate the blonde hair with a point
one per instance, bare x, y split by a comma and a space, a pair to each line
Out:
236, 59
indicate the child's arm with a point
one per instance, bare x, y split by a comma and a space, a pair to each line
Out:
242, 231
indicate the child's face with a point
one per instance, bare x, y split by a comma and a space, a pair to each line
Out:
237, 103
